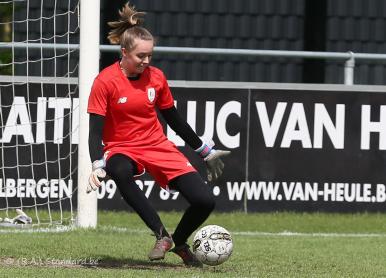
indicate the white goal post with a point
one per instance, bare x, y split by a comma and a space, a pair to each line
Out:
88, 70
43, 122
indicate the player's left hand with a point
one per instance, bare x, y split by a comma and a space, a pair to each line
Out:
214, 163
212, 157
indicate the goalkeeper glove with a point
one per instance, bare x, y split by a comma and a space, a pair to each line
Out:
97, 175
212, 157
21, 218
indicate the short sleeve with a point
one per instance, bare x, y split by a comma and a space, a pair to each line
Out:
97, 101
165, 99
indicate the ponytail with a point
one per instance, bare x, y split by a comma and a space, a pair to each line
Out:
128, 28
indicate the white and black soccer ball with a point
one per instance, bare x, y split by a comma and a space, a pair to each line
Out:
212, 245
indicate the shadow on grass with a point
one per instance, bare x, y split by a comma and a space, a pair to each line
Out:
110, 262
129, 263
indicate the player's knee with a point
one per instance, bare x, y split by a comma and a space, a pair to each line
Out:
207, 204
119, 172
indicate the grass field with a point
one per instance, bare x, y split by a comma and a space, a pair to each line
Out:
265, 245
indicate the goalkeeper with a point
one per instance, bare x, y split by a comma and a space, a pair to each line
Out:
122, 107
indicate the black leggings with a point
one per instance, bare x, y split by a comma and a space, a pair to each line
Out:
121, 169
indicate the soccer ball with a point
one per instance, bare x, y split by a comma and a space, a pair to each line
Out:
212, 245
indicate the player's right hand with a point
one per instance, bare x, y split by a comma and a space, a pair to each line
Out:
97, 175
95, 179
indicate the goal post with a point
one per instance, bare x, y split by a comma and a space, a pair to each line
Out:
49, 57
88, 70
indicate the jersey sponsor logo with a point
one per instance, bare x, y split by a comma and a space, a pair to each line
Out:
122, 100
151, 94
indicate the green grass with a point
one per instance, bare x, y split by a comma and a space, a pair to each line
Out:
319, 245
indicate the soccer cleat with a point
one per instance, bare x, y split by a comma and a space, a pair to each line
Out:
186, 255
162, 245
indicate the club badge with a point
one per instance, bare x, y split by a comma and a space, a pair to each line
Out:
151, 94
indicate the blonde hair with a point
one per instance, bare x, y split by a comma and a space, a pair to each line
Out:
127, 28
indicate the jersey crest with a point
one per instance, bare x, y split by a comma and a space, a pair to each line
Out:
151, 94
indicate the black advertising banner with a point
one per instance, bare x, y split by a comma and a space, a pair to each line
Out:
302, 150
317, 150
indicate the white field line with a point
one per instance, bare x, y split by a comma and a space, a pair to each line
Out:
62, 229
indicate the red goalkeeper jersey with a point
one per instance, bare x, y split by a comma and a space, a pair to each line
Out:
129, 106
131, 125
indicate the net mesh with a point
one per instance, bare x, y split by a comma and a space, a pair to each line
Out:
38, 109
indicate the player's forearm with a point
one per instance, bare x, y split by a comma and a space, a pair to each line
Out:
95, 136
181, 127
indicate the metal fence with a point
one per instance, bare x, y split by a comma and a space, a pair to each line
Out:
348, 58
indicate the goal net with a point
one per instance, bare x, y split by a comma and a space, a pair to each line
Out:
39, 122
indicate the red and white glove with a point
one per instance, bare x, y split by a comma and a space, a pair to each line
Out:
212, 157
97, 175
